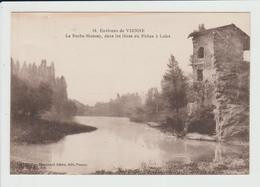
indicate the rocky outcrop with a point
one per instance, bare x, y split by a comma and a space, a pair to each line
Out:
221, 78
231, 82
233, 122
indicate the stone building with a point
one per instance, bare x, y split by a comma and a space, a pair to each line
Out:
220, 66
205, 43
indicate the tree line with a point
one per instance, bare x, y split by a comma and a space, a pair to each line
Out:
170, 107
166, 106
44, 96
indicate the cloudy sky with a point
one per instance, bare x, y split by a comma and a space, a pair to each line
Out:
98, 69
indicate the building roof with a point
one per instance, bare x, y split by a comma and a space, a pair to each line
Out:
206, 31
233, 26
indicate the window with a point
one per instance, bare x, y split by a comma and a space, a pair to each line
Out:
201, 52
246, 55
199, 74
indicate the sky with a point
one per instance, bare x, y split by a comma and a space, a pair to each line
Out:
97, 69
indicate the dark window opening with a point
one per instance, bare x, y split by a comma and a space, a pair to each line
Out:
199, 74
201, 52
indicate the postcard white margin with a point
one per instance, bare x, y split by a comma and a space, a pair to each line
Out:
251, 180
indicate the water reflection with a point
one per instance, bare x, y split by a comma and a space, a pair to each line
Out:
119, 143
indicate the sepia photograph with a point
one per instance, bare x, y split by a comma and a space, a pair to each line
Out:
130, 93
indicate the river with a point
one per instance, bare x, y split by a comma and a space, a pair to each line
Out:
118, 143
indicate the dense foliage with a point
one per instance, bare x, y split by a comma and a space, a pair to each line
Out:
202, 120
167, 107
37, 93
123, 106
154, 104
27, 100
174, 86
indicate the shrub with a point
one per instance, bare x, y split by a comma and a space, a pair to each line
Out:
202, 121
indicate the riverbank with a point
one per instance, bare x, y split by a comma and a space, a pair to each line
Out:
200, 137
229, 166
121, 137
40, 131
189, 136
18, 167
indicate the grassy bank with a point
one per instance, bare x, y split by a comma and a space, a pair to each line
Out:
17, 167
227, 167
230, 166
39, 131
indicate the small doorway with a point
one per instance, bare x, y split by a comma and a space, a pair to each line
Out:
201, 52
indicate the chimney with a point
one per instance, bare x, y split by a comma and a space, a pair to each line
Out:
201, 27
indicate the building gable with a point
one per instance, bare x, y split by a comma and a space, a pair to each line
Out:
232, 27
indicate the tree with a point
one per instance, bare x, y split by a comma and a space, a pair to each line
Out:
174, 86
28, 101
19, 97
153, 103
70, 108
42, 98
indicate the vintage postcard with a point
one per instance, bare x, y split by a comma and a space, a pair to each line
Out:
130, 93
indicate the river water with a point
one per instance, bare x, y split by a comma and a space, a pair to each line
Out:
118, 143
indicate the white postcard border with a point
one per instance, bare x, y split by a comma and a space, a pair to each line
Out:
8, 180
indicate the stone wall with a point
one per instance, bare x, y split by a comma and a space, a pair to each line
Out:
225, 80
204, 63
